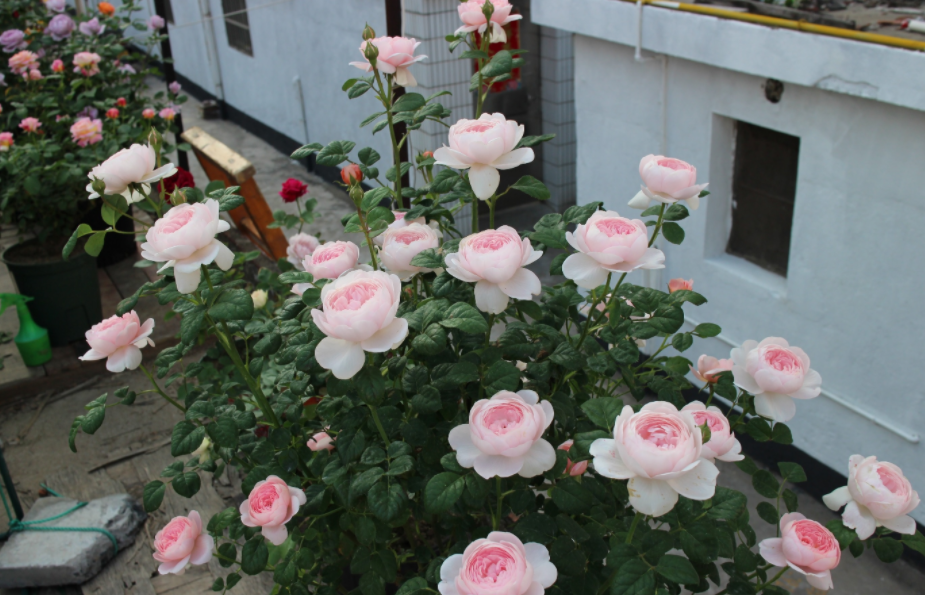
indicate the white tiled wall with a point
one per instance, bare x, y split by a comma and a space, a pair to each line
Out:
558, 97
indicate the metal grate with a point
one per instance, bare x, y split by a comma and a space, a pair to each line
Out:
237, 26
764, 188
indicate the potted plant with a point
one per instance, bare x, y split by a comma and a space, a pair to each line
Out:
71, 95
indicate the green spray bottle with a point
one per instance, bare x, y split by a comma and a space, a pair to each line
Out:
32, 340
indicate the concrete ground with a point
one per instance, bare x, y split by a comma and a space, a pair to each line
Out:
131, 447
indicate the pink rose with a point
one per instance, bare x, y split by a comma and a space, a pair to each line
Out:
55, 5
91, 27
60, 27
87, 63
119, 339
112, 113
88, 132
400, 222
155, 22
806, 546
321, 441
12, 40
400, 246
573, 469
57, 66
6, 141
182, 542
504, 436
358, 315
30, 124
270, 506
608, 243
484, 146
498, 565
23, 62
300, 246
667, 180
877, 495
184, 238
470, 13
723, 444
168, 113
659, 451
396, 54
775, 373
135, 165
709, 368
494, 260
34, 75
148, 113
174, 88
331, 260
679, 284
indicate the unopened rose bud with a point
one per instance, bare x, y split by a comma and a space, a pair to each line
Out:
204, 451
357, 194
121, 102
154, 138
99, 186
260, 298
427, 154
679, 284
178, 197
371, 52
112, 113
368, 33
488, 9
351, 174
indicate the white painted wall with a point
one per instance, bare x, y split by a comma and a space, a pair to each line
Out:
851, 297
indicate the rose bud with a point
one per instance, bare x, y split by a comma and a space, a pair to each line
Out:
119, 339
293, 190
723, 444
57, 66
775, 373
573, 469
321, 441
121, 102
182, 542
805, 546
148, 114
877, 495
504, 436
498, 565
608, 243
112, 113
709, 368
271, 504
259, 297
678, 284
476, 15
667, 180
659, 451
351, 174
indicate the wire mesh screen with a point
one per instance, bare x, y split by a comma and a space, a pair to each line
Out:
237, 26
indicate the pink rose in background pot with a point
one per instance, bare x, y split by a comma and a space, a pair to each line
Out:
679, 284
135, 165
12, 40
88, 132
23, 62
55, 5
155, 22
87, 63
168, 113
30, 125
57, 66
148, 113
470, 12
659, 451
119, 339
6, 141
358, 315
573, 469
483, 147
91, 27
184, 238
301, 245
877, 495
321, 441
775, 373
494, 260
723, 444
501, 564
667, 180
709, 368
182, 542
608, 243
396, 54
60, 27
400, 246
806, 546
271, 504
504, 436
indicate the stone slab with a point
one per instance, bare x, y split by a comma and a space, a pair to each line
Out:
43, 558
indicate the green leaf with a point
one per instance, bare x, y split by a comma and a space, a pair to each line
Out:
567, 356
96, 413
673, 232
888, 549
230, 202
792, 472
843, 534
291, 277
306, 150
190, 324
372, 198
153, 495
532, 187
580, 214
765, 484
82, 230
220, 521
667, 320
186, 484
551, 237
233, 304
286, 570
603, 411
94, 245
532, 141
334, 153
634, 578
727, 504
442, 492
501, 63
677, 569
358, 89
224, 432
431, 342
427, 401
781, 434
386, 500
676, 212
759, 429
409, 102
428, 259
768, 513
707, 330
501, 376
915, 542
466, 318
186, 438
254, 556
227, 550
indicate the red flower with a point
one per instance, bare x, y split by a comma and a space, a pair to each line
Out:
181, 179
293, 189
121, 102
351, 174
112, 113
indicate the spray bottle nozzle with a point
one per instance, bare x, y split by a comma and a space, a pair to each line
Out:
12, 299
32, 339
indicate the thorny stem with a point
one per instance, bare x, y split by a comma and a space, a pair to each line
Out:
369, 240
658, 225
385, 437
169, 399
396, 155
636, 519
594, 303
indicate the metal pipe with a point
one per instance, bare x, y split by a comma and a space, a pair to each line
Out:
205, 10
862, 36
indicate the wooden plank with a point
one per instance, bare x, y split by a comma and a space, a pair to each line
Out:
236, 166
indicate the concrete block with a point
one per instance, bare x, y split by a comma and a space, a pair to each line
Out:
46, 558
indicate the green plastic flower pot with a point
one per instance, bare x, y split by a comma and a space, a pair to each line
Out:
66, 293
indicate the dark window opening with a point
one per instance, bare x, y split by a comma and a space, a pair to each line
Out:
237, 26
168, 11
764, 188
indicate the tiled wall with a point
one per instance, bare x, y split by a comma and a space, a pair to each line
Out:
558, 97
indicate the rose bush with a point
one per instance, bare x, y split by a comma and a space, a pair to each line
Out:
393, 423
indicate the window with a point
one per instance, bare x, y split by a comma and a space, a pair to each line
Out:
236, 25
168, 11
764, 187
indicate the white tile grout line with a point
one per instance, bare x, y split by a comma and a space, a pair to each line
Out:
904, 434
